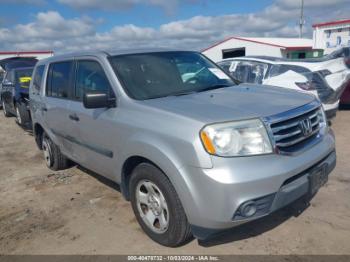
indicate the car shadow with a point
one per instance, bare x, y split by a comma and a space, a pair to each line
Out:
100, 178
245, 231
259, 226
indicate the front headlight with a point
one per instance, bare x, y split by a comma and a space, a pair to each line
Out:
322, 117
240, 138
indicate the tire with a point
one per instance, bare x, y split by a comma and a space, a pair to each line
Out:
22, 114
4, 109
54, 159
149, 188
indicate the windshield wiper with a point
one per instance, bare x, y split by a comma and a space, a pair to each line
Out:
213, 87
183, 93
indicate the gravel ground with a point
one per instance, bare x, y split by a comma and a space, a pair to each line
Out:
77, 212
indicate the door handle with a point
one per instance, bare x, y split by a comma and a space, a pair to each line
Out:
74, 117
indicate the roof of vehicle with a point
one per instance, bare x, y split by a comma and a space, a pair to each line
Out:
278, 59
311, 63
14, 62
108, 53
22, 68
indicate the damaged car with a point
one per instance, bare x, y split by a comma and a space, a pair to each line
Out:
326, 78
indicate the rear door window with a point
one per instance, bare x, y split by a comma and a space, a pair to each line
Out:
60, 78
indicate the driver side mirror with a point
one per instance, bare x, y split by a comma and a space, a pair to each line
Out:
93, 100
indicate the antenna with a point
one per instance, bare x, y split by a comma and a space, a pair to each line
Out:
302, 20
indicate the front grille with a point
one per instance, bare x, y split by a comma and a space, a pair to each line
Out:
290, 134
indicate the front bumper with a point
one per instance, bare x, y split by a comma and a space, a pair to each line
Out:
218, 193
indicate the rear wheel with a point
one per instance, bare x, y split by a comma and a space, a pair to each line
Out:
4, 109
22, 114
157, 206
54, 159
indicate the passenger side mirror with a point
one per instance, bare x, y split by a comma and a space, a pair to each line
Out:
93, 100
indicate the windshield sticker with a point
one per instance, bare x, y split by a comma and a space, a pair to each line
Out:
25, 79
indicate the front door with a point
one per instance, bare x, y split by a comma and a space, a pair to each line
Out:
94, 146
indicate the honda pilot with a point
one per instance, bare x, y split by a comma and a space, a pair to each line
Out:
193, 152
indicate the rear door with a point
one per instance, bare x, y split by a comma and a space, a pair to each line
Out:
59, 86
94, 127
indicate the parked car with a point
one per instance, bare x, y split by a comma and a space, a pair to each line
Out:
15, 94
14, 62
193, 155
345, 98
326, 78
344, 53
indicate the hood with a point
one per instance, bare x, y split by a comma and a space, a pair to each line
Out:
233, 103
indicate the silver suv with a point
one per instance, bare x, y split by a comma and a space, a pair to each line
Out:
193, 152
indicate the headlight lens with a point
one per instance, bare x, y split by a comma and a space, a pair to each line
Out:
241, 138
322, 117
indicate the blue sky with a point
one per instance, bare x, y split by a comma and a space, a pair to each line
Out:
140, 15
67, 25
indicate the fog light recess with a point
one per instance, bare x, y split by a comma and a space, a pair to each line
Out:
248, 209
254, 208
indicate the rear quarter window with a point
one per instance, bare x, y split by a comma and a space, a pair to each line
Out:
38, 77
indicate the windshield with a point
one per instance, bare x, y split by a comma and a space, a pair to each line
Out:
153, 75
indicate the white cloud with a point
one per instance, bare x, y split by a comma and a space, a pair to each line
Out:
114, 5
50, 30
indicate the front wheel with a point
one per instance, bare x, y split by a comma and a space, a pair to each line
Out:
157, 206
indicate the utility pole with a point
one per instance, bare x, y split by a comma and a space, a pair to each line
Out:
302, 20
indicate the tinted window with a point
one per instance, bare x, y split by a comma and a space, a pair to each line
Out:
23, 77
59, 81
38, 76
152, 75
90, 77
248, 71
